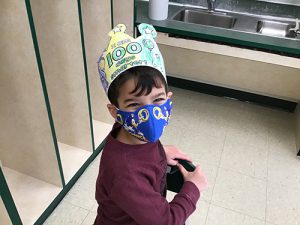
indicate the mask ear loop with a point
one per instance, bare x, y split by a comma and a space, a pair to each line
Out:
119, 119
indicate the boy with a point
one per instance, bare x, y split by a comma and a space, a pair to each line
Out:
131, 185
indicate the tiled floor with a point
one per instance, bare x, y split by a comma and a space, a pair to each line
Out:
247, 152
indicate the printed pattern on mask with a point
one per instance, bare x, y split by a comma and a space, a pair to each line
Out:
148, 122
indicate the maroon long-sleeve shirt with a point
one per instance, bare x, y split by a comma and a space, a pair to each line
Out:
131, 184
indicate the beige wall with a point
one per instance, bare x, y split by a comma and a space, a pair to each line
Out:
58, 33
26, 143
123, 13
96, 24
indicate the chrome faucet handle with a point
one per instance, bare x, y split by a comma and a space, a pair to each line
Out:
211, 5
297, 27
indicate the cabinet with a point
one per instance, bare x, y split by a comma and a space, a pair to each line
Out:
123, 12
97, 23
53, 112
237, 68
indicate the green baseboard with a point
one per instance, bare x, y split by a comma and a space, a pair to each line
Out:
8, 201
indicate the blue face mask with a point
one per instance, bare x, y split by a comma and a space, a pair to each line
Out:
148, 122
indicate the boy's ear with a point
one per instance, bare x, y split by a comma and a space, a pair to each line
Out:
169, 94
112, 110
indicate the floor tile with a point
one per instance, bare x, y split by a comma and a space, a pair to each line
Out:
90, 219
96, 162
283, 204
83, 192
212, 118
250, 127
240, 193
281, 139
94, 207
210, 172
67, 214
210, 126
245, 159
172, 135
251, 135
238, 145
207, 149
220, 216
170, 195
284, 169
200, 214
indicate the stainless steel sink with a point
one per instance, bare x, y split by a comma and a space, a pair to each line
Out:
205, 18
274, 28
249, 23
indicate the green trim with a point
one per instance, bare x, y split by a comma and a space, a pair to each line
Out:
86, 72
44, 86
112, 13
289, 46
210, 89
228, 40
8, 201
69, 185
100, 147
134, 18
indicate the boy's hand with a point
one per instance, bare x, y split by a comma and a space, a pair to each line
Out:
174, 153
197, 177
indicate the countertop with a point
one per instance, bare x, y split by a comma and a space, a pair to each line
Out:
291, 46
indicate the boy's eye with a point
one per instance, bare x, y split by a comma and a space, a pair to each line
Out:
133, 105
159, 100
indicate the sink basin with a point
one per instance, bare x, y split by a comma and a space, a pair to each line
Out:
205, 18
237, 21
274, 28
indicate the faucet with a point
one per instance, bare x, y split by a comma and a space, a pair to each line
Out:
296, 29
211, 5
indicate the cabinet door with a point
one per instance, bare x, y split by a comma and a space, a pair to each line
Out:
237, 68
96, 16
26, 141
123, 12
58, 34
30, 163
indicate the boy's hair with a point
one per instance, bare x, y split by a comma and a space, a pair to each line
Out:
145, 78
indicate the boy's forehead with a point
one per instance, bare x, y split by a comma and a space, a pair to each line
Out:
130, 85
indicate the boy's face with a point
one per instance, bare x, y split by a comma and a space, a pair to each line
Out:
130, 102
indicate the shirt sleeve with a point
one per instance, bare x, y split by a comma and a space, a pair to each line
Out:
136, 196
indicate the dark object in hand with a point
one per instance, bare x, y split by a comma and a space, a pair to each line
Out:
174, 177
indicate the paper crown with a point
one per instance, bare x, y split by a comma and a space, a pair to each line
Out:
124, 52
